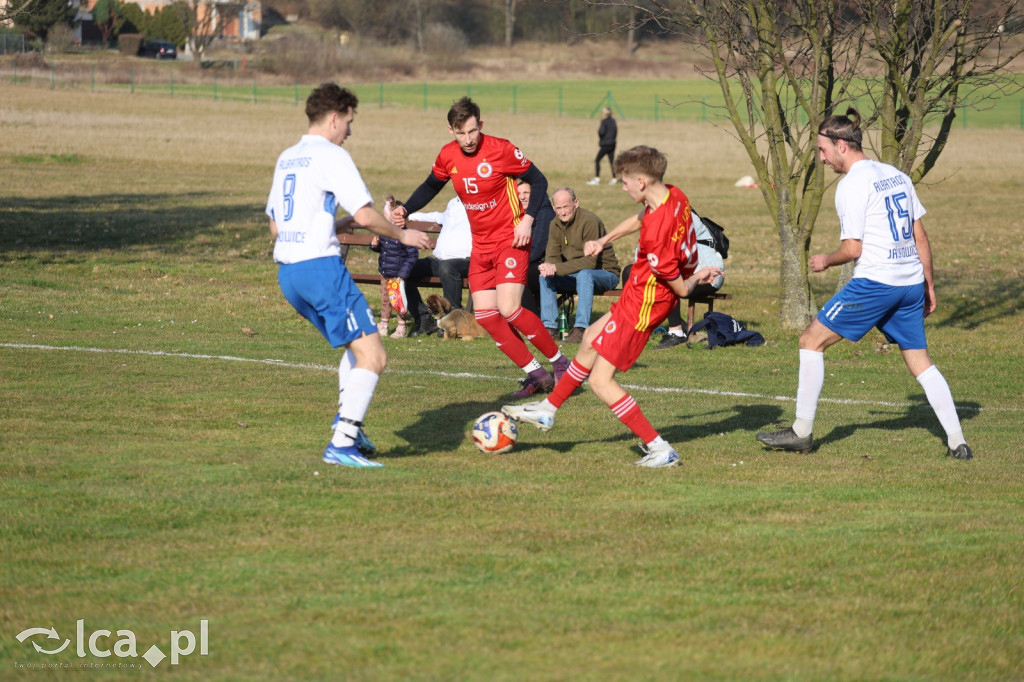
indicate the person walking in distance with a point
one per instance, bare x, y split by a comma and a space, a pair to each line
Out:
607, 135
665, 271
311, 179
483, 170
892, 288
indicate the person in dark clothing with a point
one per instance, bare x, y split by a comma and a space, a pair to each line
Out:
607, 133
538, 245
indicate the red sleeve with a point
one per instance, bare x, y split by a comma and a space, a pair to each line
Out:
670, 242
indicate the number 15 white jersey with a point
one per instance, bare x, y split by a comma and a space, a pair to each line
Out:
311, 180
878, 205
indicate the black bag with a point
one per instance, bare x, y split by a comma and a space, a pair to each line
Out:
723, 330
721, 242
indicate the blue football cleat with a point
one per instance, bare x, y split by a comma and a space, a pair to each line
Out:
348, 456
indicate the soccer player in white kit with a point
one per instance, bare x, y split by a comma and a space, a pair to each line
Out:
892, 285
311, 180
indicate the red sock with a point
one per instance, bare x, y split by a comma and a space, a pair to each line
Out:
628, 412
508, 341
533, 329
571, 380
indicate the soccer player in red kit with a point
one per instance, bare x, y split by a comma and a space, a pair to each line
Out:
664, 272
483, 171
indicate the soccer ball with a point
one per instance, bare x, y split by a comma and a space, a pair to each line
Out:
495, 432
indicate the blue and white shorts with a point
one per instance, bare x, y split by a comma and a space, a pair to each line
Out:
898, 312
323, 292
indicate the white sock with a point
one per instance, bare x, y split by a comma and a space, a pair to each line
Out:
348, 361
534, 364
358, 393
812, 379
941, 400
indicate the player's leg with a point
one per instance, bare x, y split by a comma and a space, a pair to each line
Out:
906, 327
659, 453
542, 412
811, 379
510, 268
940, 398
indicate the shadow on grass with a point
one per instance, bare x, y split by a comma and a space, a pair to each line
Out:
988, 302
914, 417
113, 221
443, 428
737, 418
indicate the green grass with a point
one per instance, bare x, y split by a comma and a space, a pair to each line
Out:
164, 411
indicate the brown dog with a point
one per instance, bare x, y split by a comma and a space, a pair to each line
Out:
456, 324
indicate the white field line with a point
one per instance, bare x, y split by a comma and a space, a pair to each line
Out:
468, 375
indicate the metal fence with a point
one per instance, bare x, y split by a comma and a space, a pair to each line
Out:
11, 43
670, 100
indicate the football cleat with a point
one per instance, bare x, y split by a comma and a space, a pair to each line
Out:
659, 456
786, 439
962, 451
363, 442
348, 456
537, 380
531, 413
559, 367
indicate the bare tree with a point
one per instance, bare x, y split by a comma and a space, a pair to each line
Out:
510, 20
938, 58
205, 21
783, 65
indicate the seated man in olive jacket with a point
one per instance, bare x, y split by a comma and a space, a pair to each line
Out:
566, 269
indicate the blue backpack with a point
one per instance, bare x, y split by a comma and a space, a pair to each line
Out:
723, 330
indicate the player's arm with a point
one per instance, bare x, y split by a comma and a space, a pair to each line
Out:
849, 250
683, 287
422, 196
627, 226
375, 222
523, 232
924, 252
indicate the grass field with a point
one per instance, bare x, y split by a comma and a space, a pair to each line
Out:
164, 411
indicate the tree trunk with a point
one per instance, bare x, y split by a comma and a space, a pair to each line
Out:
796, 309
510, 21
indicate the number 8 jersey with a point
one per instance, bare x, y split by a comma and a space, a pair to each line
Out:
311, 179
486, 184
878, 205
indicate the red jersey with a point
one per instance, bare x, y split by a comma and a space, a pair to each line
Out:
667, 249
485, 182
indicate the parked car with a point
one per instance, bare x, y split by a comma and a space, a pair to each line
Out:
158, 49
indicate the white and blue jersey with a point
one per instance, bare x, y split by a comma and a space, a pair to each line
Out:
877, 204
311, 180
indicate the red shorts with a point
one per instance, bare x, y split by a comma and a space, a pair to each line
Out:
624, 337
507, 265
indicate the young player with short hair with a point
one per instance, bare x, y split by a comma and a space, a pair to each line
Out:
311, 179
892, 287
663, 273
483, 170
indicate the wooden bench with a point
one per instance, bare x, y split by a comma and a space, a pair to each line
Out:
362, 237
691, 303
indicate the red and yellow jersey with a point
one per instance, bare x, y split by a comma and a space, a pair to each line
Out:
485, 182
666, 249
